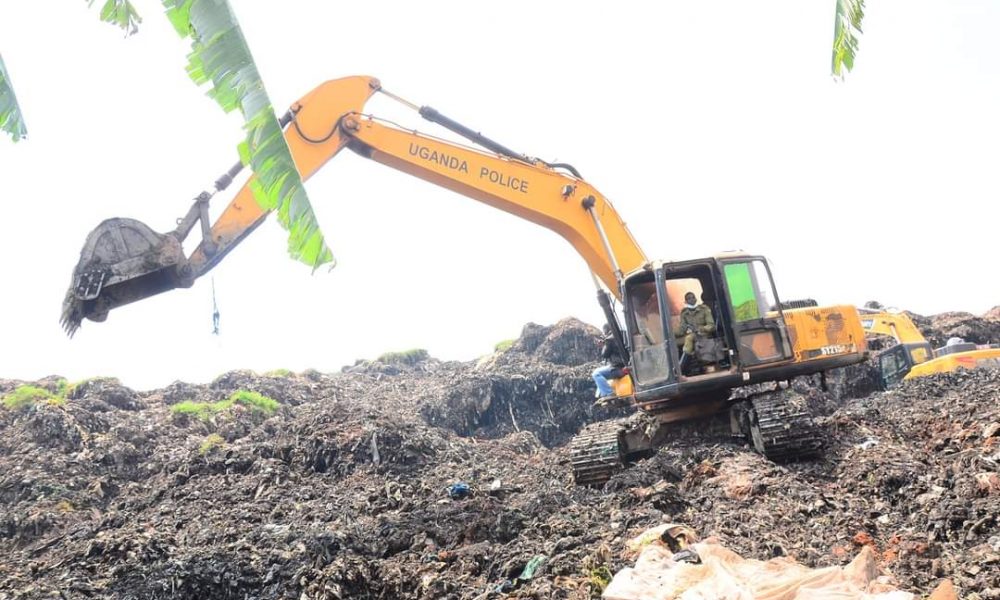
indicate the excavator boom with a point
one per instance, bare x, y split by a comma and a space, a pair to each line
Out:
896, 325
319, 126
558, 201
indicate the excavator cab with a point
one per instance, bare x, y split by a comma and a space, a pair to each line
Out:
756, 338
748, 329
896, 363
907, 360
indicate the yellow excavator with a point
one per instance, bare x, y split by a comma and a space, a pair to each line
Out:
911, 355
756, 339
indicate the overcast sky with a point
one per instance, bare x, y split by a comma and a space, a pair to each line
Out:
710, 125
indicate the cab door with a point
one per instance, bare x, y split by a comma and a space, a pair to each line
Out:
757, 321
894, 364
653, 350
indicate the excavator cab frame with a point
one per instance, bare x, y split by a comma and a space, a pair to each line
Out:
895, 363
751, 340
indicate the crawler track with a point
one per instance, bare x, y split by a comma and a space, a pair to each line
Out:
782, 429
596, 452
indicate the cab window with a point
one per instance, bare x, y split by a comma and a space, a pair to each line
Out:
893, 365
646, 313
751, 292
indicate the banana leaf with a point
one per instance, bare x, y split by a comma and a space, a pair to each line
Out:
220, 57
846, 27
120, 13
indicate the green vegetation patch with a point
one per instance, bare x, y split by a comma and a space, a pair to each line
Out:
29, 395
202, 410
206, 410
279, 373
63, 388
211, 442
504, 346
600, 578
406, 357
253, 400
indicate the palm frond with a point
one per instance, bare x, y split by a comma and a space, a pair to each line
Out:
220, 56
120, 13
11, 121
846, 27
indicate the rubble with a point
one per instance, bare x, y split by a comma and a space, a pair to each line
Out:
350, 488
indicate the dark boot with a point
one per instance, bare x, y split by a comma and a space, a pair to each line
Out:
686, 362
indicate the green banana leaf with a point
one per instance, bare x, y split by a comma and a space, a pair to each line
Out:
120, 13
11, 121
846, 26
220, 56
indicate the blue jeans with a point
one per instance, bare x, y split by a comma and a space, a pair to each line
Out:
601, 375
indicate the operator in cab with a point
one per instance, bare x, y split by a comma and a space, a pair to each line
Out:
695, 320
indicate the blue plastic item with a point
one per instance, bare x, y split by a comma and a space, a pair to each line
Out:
459, 490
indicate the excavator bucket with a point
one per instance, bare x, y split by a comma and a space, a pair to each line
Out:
122, 261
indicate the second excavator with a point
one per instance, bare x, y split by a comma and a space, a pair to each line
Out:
909, 355
755, 339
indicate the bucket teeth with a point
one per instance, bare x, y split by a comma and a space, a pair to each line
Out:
72, 314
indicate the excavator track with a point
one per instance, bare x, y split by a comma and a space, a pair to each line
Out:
782, 429
596, 452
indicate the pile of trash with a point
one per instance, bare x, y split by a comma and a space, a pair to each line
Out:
938, 329
410, 477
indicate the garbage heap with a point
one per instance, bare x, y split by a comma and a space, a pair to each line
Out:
411, 477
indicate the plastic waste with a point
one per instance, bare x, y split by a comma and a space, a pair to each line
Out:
459, 490
662, 573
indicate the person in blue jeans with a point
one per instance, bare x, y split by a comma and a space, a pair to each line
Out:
611, 369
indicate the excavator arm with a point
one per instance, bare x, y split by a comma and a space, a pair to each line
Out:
895, 325
902, 329
124, 261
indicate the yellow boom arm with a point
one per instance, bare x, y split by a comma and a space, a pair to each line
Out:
329, 118
896, 325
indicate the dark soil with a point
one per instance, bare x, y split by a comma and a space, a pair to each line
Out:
343, 492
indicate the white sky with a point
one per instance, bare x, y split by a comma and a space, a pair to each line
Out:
710, 126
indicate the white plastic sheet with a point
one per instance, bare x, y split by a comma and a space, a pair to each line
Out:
723, 574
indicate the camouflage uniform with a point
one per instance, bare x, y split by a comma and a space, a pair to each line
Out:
700, 320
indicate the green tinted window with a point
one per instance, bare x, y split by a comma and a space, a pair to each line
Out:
741, 291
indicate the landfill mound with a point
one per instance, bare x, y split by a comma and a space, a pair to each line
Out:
978, 330
410, 477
